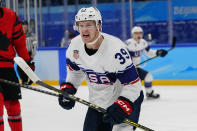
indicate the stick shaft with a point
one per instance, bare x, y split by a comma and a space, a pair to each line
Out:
172, 47
71, 96
28, 87
90, 105
22, 64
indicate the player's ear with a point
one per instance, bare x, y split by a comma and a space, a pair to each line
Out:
99, 27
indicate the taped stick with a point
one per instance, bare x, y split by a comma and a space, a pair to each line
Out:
23, 65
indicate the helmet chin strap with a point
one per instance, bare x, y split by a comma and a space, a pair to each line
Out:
93, 42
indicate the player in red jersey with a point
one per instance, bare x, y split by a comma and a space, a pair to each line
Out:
12, 41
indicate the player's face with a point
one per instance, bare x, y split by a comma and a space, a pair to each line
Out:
88, 31
25, 28
137, 36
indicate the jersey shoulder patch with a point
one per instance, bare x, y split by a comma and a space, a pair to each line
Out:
74, 48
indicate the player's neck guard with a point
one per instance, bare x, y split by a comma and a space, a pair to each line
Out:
93, 42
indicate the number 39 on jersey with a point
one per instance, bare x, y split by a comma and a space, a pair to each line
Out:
122, 56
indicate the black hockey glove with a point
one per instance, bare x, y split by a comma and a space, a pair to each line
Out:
24, 78
31, 65
65, 102
161, 52
118, 111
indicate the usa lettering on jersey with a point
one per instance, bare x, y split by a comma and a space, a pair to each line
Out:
99, 78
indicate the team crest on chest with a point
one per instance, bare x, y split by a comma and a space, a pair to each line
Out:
76, 54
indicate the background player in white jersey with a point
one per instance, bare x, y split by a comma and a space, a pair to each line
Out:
112, 78
136, 46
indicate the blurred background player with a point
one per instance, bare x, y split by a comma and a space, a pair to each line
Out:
12, 41
64, 42
31, 42
136, 46
32, 45
111, 76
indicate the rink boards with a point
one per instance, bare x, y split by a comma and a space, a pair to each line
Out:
179, 67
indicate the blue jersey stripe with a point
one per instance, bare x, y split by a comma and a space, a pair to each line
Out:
72, 64
128, 75
147, 48
125, 76
132, 54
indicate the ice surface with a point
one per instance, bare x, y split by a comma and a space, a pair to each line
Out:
176, 110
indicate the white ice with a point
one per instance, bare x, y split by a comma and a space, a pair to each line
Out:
176, 110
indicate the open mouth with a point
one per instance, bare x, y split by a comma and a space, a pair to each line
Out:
85, 36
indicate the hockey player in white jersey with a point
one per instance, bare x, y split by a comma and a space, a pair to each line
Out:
112, 79
136, 46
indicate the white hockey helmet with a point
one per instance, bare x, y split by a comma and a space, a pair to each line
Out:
84, 14
136, 29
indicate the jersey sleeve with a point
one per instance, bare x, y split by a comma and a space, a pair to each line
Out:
128, 44
127, 74
74, 74
148, 51
19, 39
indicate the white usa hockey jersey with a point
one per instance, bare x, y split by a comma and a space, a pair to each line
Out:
136, 49
109, 72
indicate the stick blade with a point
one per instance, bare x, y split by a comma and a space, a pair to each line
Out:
28, 71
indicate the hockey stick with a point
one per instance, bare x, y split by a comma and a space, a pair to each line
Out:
28, 87
23, 65
172, 47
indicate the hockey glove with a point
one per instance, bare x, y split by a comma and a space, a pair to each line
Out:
161, 52
24, 78
65, 102
31, 65
118, 111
